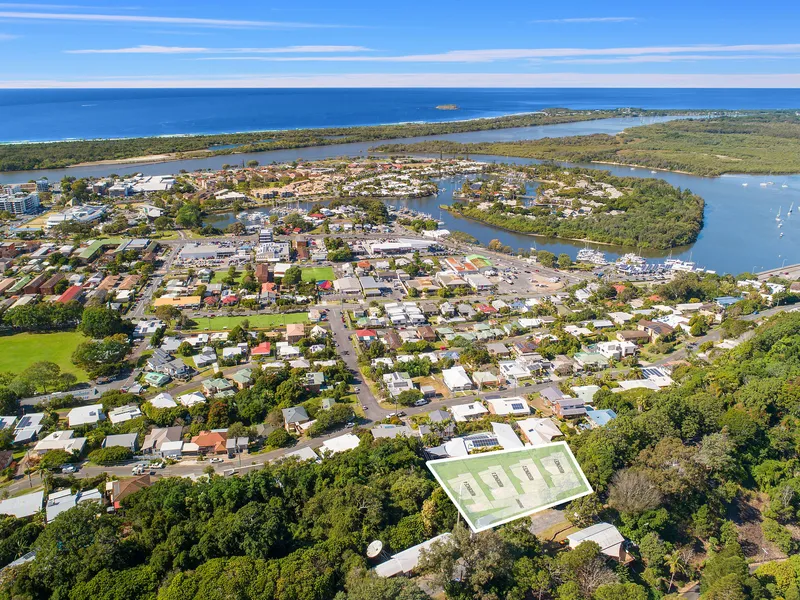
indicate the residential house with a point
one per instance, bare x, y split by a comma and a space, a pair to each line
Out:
539, 431
124, 413
568, 407
295, 332
154, 440
456, 379
468, 412
600, 418
86, 415
514, 405
162, 362
61, 440
605, 535
243, 379
397, 383
124, 440
634, 335
118, 490
366, 336
163, 400
654, 329
236, 446
216, 386
314, 381
294, 417
211, 442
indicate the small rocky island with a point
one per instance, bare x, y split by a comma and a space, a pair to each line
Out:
447, 107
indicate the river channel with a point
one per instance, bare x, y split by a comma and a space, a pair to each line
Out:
740, 231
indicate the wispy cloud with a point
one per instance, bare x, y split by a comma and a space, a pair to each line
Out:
494, 55
656, 58
7, 36
587, 20
143, 49
60, 6
193, 21
434, 80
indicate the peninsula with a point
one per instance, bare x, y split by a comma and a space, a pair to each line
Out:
51, 155
763, 142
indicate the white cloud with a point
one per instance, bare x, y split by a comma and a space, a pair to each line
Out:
7, 36
492, 55
435, 80
183, 50
195, 21
588, 20
668, 58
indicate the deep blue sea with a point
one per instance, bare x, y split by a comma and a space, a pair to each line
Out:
44, 115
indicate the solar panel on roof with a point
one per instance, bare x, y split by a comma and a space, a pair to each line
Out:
24, 422
517, 406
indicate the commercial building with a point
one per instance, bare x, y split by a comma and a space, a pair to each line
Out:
19, 203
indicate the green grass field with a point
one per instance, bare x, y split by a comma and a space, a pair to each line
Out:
318, 274
497, 487
23, 349
256, 321
220, 275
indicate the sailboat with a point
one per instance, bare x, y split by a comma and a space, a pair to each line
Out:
790, 209
744, 185
778, 216
784, 186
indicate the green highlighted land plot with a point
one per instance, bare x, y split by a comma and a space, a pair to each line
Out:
498, 487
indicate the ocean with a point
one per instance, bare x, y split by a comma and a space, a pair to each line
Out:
49, 115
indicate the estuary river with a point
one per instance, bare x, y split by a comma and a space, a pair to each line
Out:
740, 231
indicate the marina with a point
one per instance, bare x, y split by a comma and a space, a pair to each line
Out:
737, 207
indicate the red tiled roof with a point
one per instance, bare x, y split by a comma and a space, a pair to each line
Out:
72, 293
262, 348
366, 333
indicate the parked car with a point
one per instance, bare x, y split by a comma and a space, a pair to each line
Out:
421, 402
67, 469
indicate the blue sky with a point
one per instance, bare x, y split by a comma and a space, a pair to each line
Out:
444, 43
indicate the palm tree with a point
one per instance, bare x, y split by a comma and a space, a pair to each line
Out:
677, 563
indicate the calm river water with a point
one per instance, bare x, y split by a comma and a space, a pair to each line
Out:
740, 232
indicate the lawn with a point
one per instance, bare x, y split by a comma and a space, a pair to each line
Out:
318, 274
256, 321
23, 349
220, 275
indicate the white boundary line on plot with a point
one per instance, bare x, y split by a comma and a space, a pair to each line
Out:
509, 451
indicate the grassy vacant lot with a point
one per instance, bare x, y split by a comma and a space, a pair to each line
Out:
256, 321
220, 275
23, 349
318, 274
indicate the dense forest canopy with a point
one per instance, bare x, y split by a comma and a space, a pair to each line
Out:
650, 213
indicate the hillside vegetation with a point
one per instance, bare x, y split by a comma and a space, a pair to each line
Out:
763, 143
701, 477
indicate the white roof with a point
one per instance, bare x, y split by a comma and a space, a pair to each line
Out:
456, 377
7, 422
85, 415
172, 446
59, 502
539, 431
515, 405
604, 535
163, 400
22, 506
344, 442
462, 411
303, 454
408, 559
635, 384
506, 436
192, 399
124, 413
